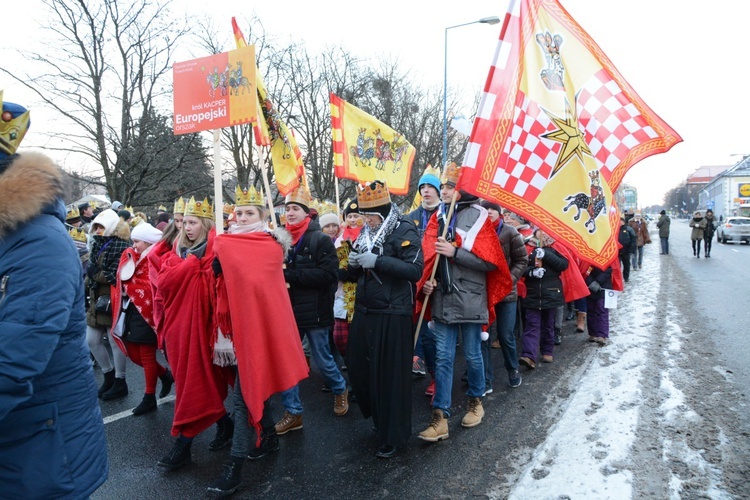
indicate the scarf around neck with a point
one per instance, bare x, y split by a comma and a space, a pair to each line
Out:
255, 227
373, 237
298, 230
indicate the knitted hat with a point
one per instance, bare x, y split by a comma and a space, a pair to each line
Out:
431, 177
328, 218
108, 219
351, 207
146, 232
489, 204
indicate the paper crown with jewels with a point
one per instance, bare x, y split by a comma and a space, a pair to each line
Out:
73, 213
250, 196
300, 196
14, 122
202, 209
450, 175
374, 194
161, 208
179, 206
78, 234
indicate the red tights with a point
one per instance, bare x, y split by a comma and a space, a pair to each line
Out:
145, 355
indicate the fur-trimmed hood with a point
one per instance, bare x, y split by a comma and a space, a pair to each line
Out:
30, 186
283, 237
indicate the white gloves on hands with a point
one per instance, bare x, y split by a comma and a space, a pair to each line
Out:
538, 272
539, 253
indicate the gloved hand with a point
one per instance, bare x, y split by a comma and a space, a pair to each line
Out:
90, 272
539, 254
354, 260
538, 272
367, 260
594, 287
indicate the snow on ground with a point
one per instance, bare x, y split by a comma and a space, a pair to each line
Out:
586, 454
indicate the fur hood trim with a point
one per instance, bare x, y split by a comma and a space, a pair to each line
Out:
283, 237
31, 183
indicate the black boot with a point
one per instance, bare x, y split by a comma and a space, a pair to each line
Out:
148, 404
109, 380
166, 384
118, 390
269, 442
224, 431
558, 336
230, 480
178, 456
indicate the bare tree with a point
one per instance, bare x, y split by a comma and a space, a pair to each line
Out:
106, 76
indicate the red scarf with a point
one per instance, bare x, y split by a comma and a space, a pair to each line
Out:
486, 247
351, 233
187, 287
298, 230
137, 287
267, 345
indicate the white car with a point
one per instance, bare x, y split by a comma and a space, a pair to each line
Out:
734, 229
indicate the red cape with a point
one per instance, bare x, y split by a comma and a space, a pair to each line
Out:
263, 329
574, 286
487, 247
137, 288
155, 256
186, 286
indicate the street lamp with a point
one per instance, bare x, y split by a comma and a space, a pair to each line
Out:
484, 20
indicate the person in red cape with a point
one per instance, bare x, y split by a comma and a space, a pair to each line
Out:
472, 277
132, 314
267, 350
185, 286
155, 256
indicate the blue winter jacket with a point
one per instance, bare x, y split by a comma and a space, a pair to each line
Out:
52, 442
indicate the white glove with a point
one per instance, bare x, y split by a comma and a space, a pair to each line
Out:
367, 260
484, 336
354, 260
539, 253
538, 272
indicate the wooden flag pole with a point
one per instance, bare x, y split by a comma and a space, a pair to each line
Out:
267, 186
435, 266
338, 200
218, 200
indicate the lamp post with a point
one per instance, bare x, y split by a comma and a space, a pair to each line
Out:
484, 20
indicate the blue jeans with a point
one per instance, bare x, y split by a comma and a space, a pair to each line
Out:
445, 346
320, 349
425, 347
638, 258
664, 245
506, 326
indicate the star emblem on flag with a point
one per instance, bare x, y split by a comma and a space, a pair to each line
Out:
569, 135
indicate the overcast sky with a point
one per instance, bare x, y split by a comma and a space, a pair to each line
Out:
687, 60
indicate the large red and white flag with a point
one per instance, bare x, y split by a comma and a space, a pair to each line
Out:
557, 129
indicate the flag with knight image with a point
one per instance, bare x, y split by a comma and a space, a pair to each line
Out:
366, 149
557, 129
271, 130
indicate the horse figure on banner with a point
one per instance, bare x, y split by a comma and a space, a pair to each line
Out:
383, 151
364, 151
594, 203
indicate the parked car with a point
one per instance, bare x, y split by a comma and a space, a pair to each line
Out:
734, 229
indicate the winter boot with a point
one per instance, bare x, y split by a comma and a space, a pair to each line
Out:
475, 413
269, 442
437, 429
230, 480
178, 456
147, 405
580, 322
166, 384
109, 380
224, 432
118, 390
558, 336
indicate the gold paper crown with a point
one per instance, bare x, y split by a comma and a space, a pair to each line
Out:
73, 213
300, 196
430, 170
179, 205
134, 221
78, 234
450, 175
373, 195
94, 205
12, 129
250, 196
202, 209
327, 207
161, 208
131, 210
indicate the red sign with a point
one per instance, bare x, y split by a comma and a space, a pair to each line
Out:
215, 91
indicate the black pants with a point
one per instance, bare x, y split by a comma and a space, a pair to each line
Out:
697, 248
707, 242
625, 262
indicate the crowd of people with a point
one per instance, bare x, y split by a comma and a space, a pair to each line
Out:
371, 298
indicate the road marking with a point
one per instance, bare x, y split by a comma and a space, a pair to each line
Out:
735, 250
129, 413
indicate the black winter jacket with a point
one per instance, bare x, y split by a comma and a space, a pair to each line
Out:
604, 278
311, 271
398, 268
545, 292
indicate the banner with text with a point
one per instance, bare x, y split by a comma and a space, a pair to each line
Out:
215, 91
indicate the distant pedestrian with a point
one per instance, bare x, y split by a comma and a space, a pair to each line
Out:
628, 241
640, 226
663, 225
708, 233
698, 223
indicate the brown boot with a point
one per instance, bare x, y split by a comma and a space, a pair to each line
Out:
475, 414
580, 322
341, 403
437, 429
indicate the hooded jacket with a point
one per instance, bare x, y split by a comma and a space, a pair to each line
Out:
52, 442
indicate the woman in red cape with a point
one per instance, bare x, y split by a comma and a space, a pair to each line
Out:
255, 318
185, 287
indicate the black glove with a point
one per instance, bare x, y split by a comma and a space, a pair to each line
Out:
216, 266
595, 287
91, 272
